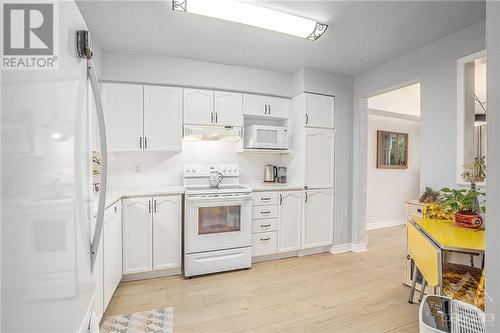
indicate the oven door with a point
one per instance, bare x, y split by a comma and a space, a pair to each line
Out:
218, 222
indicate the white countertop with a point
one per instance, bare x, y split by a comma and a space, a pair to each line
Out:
115, 194
263, 187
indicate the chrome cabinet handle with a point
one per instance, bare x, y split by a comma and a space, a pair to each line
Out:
266, 212
116, 210
155, 207
265, 199
216, 117
149, 205
307, 119
265, 108
269, 108
140, 142
265, 239
306, 196
146, 142
265, 225
211, 117
419, 210
281, 199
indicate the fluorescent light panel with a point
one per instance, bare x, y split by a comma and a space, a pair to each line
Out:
250, 14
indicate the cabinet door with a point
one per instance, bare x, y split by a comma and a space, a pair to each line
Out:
162, 118
123, 113
167, 232
317, 229
254, 105
112, 235
278, 107
228, 108
319, 158
98, 276
198, 107
320, 111
289, 218
137, 235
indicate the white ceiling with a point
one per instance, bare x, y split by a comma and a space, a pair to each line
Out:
403, 101
361, 34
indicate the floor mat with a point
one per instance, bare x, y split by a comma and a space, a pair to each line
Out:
156, 320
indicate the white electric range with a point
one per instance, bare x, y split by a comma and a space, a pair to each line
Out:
217, 221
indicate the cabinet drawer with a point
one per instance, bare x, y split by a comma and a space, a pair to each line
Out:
415, 210
264, 198
265, 212
264, 243
264, 225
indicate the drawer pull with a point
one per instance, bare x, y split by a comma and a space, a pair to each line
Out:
419, 210
265, 239
265, 225
266, 212
265, 199
408, 256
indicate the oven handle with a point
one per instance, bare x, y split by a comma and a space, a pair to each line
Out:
222, 199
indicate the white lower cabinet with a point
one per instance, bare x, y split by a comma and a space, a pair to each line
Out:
137, 235
166, 232
276, 222
112, 251
289, 221
264, 243
97, 274
151, 233
317, 226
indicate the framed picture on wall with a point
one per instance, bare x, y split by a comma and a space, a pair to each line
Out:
392, 150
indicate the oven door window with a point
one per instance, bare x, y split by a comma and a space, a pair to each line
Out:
214, 220
267, 136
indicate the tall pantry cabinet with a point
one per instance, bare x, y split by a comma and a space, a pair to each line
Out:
313, 138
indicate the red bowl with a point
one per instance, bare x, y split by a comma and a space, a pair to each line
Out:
471, 221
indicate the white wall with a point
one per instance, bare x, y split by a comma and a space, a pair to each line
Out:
192, 73
434, 66
387, 189
493, 183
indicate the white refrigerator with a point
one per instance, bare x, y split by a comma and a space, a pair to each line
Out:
47, 226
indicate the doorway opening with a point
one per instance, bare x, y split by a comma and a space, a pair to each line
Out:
393, 155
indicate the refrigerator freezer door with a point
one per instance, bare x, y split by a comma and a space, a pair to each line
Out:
46, 185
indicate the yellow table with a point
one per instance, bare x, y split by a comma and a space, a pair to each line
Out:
450, 237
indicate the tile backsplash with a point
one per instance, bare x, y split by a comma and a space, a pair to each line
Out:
165, 168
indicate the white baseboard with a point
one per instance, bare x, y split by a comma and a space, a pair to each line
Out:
349, 247
360, 247
384, 224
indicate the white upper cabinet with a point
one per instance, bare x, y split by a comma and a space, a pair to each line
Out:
198, 107
319, 158
137, 235
317, 228
320, 111
167, 232
266, 106
162, 118
254, 105
228, 108
289, 221
123, 115
278, 107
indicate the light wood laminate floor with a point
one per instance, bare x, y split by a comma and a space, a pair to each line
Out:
320, 293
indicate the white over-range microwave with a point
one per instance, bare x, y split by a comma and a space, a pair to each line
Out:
266, 137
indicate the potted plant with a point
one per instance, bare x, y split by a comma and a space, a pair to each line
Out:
475, 171
429, 196
465, 205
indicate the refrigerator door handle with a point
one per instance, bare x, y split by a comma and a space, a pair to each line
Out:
101, 204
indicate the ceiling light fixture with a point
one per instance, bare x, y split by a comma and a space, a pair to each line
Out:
250, 14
